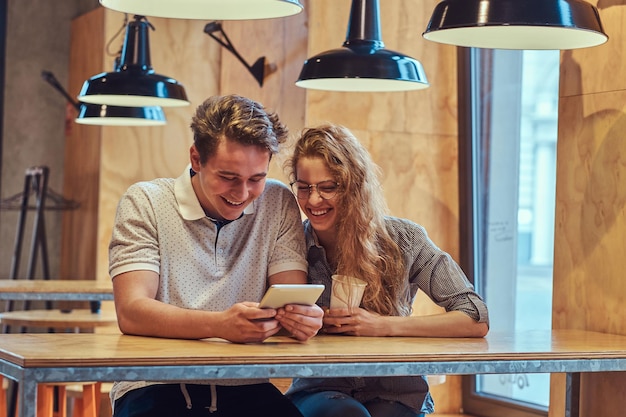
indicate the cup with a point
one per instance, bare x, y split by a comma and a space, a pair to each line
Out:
346, 292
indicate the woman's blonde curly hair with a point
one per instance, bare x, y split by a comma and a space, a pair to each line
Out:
365, 248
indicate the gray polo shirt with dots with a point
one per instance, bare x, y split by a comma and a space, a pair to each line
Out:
161, 227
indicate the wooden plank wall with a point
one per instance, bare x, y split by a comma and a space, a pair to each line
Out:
101, 162
412, 136
178, 49
283, 43
589, 262
82, 156
120, 156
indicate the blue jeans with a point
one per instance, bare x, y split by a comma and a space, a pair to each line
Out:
338, 404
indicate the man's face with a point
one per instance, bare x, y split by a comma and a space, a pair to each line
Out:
230, 180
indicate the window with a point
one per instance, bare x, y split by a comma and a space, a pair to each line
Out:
508, 175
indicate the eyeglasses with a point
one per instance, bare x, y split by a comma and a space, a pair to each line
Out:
325, 189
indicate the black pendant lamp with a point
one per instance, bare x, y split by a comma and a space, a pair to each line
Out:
103, 115
516, 24
362, 63
134, 82
207, 9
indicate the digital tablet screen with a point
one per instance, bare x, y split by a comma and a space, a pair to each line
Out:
279, 295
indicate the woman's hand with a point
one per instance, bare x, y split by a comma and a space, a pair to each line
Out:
359, 322
354, 322
303, 322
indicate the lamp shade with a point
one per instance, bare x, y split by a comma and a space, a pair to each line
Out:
362, 63
134, 82
516, 24
103, 115
207, 9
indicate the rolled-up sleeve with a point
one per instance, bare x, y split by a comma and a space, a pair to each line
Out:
435, 272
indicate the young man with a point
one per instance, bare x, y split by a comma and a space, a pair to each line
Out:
189, 258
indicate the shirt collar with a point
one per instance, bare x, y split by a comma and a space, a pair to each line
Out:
188, 203
310, 235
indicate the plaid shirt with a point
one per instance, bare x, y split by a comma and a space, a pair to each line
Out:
429, 269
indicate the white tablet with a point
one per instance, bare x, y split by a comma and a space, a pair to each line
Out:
279, 295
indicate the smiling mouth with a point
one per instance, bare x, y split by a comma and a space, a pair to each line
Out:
233, 203
319, 212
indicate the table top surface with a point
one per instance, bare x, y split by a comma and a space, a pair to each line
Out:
66, 289
58, 319
55, 350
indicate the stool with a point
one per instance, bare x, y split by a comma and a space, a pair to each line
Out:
100, 394
76, 320
4, 385
87, 398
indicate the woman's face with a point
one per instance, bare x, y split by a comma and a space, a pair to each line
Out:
322, 213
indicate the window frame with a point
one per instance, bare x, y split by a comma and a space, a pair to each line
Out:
473, 170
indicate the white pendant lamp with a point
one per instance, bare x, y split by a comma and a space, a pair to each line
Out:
516, 24
207, 9
362, 63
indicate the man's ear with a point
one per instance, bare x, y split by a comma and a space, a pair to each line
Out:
194, 157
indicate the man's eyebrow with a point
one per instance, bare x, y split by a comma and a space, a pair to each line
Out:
236, 174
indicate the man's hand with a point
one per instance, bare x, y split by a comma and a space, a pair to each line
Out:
303, 322
246, 323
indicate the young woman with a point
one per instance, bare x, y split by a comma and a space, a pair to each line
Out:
348, 232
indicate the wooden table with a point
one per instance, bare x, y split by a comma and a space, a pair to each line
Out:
55, 290
49, 357
76, 319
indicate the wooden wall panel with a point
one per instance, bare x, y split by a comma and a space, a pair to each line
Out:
433, 110
283, 42
179, 49
411, 135
591, 215
120, 156
609, 58
589, 289
82, 156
